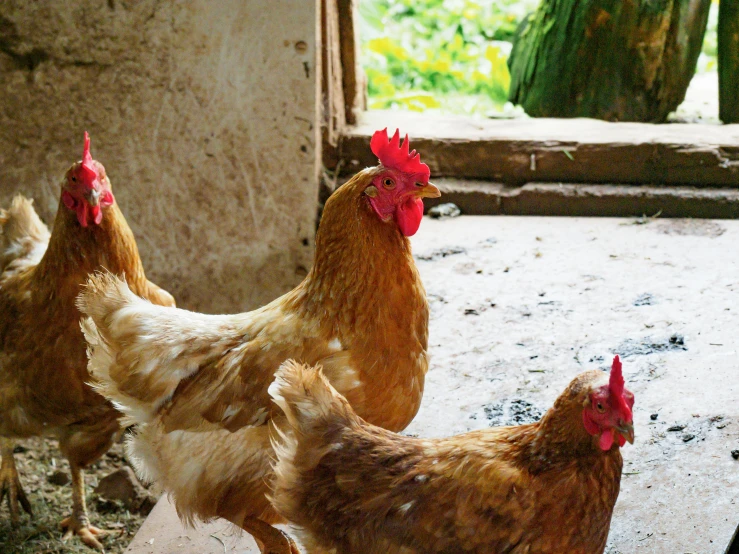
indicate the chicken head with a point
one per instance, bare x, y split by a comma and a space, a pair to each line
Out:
607, 412
86, 188
401, 182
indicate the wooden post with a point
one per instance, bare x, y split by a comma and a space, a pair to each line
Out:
608, 59
333, 120
353, 77
728, 61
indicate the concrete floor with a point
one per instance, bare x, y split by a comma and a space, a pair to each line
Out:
521, 305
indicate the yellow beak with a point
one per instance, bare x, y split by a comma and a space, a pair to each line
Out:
429, 190
626, 430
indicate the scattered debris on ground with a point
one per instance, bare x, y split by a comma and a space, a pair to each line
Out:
441, 253
512, 412
123, 486
648, 345
44, 474
645, 299
445, 210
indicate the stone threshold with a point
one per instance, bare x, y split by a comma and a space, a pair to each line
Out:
520, 151
560, 199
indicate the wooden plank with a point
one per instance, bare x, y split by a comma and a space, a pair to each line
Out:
352, 74
728, 61
333, 121
521, 151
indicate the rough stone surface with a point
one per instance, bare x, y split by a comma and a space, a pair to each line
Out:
123, 486
120, 485
59, 478
447, 209
203, 115
519, 306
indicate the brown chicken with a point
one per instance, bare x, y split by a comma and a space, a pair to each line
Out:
197, 384
546, 488
43, 362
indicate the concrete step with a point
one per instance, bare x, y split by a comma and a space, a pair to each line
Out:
163, 533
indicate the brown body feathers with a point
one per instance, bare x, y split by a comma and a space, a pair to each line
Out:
353, 488
197, 384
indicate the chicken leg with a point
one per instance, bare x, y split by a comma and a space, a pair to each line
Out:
78, 523
10, 483
270, 539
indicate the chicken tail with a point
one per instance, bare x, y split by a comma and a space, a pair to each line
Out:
22, 233
307, 398
139, 352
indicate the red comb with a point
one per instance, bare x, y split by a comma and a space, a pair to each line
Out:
88, 172
616, 383
391, 154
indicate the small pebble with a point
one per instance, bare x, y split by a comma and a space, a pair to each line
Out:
687, 437
654, 417
735, 454
678, 427
445, 210
59, 478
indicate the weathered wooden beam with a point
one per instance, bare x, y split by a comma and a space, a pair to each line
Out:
728, 61
334, 120
554, 150
352, 74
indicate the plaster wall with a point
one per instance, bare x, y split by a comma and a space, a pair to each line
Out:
204, 115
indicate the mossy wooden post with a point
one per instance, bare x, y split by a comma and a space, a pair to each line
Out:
609, 59
728, 61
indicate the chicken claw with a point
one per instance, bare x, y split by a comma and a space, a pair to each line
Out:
10, 484
89, 534
270, 539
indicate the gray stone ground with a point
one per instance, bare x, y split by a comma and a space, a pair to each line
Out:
522, 305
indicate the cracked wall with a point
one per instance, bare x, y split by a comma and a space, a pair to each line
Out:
204, 115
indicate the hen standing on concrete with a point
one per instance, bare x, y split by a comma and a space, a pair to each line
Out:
197, 384
546, 488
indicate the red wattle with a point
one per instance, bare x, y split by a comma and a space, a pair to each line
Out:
82, 214
408, 216
606, 439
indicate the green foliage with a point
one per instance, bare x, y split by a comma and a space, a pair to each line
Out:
450, 54
708, 60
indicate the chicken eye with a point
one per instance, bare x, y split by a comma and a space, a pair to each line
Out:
388, 183
600, 407
419, 184
74, 179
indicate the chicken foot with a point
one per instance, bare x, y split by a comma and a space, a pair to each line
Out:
78, 523
270, 539
10, 483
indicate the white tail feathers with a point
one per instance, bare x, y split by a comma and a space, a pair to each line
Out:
22, 232
139, 352
306, 396
104, 294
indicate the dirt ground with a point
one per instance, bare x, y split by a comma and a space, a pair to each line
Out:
37, 460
